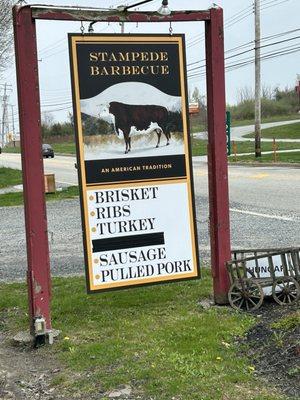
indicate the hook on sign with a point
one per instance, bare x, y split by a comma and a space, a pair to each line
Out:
91, 29
171, 28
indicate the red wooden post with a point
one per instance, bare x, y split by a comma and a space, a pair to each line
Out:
217, 155
38, 276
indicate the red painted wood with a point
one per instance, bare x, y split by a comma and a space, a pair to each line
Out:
217, 155
38, 276
88, 14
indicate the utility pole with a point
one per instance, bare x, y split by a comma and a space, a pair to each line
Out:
297, 88
5, 126
257, 80
13, 125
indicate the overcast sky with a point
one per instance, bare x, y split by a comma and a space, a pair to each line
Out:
277, 17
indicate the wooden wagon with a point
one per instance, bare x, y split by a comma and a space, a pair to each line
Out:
256, 273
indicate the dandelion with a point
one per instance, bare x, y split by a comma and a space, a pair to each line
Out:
227, 345
66, 338
219, 358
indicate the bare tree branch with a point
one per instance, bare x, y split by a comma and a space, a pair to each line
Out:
6, 33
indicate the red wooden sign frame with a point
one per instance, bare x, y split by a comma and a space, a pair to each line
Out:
38, 277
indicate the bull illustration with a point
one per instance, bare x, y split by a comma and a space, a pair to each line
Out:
140, 117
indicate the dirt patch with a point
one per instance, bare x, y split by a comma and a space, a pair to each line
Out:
275, 351
26, 373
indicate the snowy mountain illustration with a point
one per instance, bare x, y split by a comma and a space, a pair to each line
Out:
135, 93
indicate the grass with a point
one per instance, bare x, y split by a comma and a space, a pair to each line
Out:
65, 148
275, 118
197, 126
10, 177
11, 149
16, 198
268, 158
288, 323
199, 147
156, 339
291, 131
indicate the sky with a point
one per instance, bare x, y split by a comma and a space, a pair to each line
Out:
277, 18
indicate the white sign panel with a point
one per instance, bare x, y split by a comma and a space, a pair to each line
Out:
262, 269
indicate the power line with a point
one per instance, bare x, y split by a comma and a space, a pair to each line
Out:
234, 19
267, 38
251, 60
273, 5
59, 109
52, 46
56, 104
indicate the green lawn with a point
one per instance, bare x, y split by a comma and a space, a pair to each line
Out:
10, 177
16, 198
156, 339
11, 149
197, 126
268, 158
67, 148
266, 120
291, 131
199, 147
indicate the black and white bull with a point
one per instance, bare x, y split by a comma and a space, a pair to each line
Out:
140, 117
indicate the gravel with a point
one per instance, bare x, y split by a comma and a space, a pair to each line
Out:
65, 235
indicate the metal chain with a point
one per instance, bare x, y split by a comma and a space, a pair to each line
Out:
81, 28
171, 29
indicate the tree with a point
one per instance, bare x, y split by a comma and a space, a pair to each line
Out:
245, 95
6, 33
196, 95
47, 119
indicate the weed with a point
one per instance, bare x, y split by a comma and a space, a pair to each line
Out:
288, 323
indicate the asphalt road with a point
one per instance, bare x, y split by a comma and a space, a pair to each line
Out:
264, 212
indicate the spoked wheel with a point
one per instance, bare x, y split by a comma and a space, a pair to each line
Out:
286, 290
246, 295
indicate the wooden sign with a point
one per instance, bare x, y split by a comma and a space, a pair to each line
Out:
194, 108
134, 159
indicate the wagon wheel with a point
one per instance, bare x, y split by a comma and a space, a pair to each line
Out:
246, 294
286, 290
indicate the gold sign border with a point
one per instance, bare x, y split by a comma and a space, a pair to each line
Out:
139, 39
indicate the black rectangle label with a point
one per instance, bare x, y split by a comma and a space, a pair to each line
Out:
127, 242
132, 169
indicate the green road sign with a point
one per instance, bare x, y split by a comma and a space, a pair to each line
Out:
228, 130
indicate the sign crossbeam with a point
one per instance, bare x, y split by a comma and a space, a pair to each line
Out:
30, 127
94, 14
